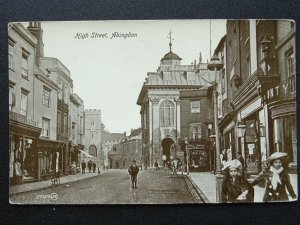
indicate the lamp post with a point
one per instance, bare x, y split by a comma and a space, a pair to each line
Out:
216, 65
187, 156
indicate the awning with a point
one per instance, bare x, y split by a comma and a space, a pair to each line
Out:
88, 155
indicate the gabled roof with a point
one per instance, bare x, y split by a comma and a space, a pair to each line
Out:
135, 132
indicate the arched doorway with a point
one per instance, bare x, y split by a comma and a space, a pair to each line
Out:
166, 145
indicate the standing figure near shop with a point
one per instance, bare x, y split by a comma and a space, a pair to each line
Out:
276, 179
94, 167
133, 172
235, 187
223, 157
83, 165
90, 166
241, 159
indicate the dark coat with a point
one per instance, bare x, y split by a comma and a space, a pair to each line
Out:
280, 193
133, 170
83, 165
241, 159
232, 190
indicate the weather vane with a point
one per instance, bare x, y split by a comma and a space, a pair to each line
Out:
171, 39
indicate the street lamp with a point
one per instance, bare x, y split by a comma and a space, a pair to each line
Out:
216, 65
187, 156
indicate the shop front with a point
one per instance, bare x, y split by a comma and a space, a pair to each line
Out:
50, 158
199, 156
284, 124
253, 142
23, 136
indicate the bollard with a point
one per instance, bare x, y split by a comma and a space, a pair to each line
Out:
98, 170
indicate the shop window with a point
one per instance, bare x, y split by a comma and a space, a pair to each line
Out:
45, 127
195, 106
167, 111
24, 103
291, 70
46, 97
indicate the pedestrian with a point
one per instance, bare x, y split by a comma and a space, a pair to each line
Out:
223, 157
83, 165
235, 187
94, 167
276, 179
241, 159
133, 172
90, 166
156, 165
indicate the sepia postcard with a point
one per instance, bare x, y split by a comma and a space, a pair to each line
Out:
152, 112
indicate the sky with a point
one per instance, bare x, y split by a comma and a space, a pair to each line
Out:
108, 73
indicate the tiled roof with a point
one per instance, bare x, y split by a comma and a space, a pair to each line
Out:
179, 78
112, 136
135, 132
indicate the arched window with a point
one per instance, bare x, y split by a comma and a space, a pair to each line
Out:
93, 150
196, 133
167, 112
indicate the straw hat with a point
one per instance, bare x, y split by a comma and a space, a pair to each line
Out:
233, 164
276, 155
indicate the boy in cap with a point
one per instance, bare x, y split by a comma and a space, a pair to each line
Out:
133, 171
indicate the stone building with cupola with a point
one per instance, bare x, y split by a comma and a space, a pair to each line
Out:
169, 114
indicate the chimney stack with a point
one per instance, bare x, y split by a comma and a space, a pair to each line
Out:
36, 30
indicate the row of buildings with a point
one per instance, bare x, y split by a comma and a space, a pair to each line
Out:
124, 149
252, 74
48, 125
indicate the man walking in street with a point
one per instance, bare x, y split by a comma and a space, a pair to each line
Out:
156, 165
83, 165
133, 171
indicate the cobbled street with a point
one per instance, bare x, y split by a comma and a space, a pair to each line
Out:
114, 187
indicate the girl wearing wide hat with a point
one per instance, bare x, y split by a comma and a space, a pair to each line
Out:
235, 187
276, 179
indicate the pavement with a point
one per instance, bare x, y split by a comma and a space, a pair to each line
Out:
47, 183
206, 182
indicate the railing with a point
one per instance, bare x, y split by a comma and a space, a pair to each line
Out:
22, 119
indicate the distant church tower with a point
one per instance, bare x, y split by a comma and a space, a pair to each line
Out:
93, 137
